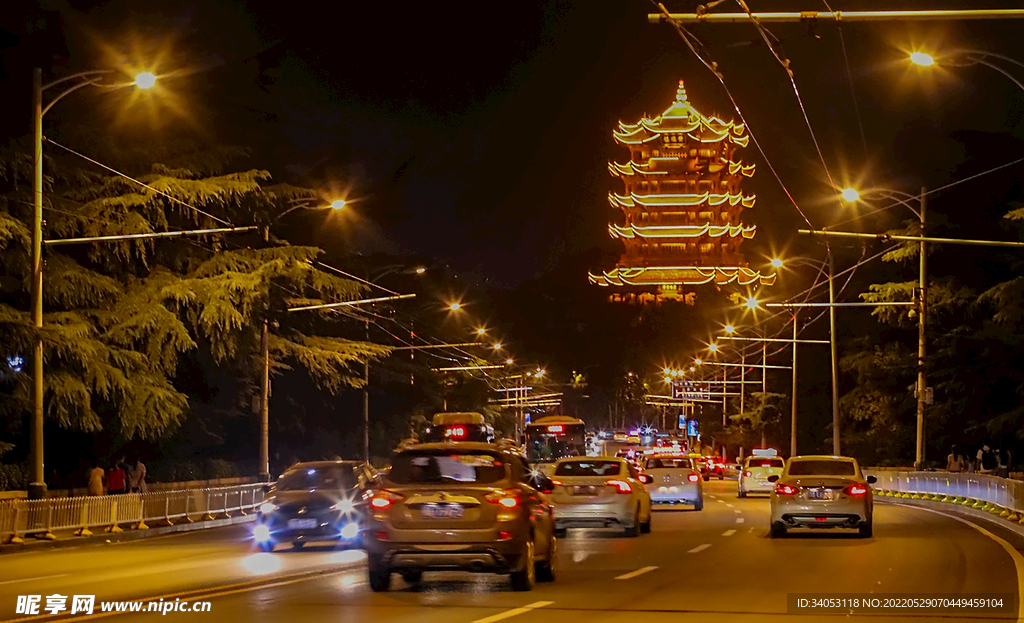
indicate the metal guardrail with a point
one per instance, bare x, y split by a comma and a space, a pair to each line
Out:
999, 496
135, 510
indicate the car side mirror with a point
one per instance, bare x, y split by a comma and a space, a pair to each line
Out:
542, 483
644, 478
871, 480
773, 478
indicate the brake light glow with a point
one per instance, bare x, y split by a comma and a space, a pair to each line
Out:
746, 474
855, 490
557, 483
693, 477
786, 490
556, 428
508, 499
384, 499
621, 486
504, 536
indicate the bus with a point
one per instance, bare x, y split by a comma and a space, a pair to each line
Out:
459, 426
554, 437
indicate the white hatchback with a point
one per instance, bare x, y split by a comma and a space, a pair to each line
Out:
754, 475
673, 480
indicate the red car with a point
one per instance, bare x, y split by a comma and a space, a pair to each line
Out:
711, 466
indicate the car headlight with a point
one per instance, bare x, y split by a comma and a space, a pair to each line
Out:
268, 507
261, 533
344, 506
350, 531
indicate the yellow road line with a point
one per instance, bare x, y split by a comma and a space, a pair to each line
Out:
514, 612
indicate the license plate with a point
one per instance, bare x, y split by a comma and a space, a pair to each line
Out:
302, 524
583, 490
819, 494
442, 511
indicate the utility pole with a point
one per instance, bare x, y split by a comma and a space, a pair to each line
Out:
845, 16
265, 389
836, 450
366, 401
921, 345
792, 424
37, 481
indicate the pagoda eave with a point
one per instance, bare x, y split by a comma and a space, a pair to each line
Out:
681, 275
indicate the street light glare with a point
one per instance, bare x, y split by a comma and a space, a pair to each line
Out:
497, 346
145, 80
922, 59
481, 331
850, 195
730, 329
698, 362
509, 362
338, 204
455, 307
776, 262
713, 347
420, 270
751, 303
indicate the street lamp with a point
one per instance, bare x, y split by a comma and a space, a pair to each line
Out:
730, 329
497, 346
420, 270
850, 195
455, 307
922, 59
37, 480
971, 57
751, 303
713, 347
481, 331
902, 199
338, 204
776, 262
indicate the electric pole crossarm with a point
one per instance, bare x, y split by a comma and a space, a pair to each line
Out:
838, 16
886, 237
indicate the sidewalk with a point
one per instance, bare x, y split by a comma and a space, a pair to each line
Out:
67, 538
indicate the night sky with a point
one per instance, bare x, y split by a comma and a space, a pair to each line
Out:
479, 134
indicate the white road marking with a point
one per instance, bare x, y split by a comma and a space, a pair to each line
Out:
699, 548
713, 497
42, 577
720, 501
739, 520
633, 574
729, 533
1018, 560
736, 510
514, 612
751, 529
729, 505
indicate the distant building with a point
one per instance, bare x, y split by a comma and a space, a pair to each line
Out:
681, 206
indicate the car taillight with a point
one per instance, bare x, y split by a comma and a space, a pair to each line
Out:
786, 490
507, 499
621, 486
384, 499
856, 490
746, 474
557, 483
693, 477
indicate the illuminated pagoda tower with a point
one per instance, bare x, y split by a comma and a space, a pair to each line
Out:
681, 206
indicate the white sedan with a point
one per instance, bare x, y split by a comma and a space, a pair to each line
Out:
673, 480
821, 492
599, 492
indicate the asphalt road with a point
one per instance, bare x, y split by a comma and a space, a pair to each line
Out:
714, 565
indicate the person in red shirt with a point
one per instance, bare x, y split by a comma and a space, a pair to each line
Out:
117, 480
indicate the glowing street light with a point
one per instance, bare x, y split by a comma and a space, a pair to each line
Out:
667, 371
420, 270
922, 59
540, 372
338, 204
145, 80
751, 303
692, 369
713, 347
455, 307
497, 346
776, 262
730, 329
850, 195
509, 362
481, 331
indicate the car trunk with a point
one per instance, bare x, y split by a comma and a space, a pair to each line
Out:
584, 490
443, 508
670, 477
820, 489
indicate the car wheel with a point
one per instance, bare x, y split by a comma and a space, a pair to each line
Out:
634, 530
645, 527
412, 577
778, 530
523, 579
380, 575
561, 533
865, 530
265, 546
545, 569
297, 544
699, 506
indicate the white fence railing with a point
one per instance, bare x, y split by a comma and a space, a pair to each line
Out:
1000, 496
113, 512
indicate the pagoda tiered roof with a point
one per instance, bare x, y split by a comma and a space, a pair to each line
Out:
682, 231
686, 275
682, 201
682, 120
632, 168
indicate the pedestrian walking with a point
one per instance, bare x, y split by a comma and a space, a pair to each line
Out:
117, 480
137, 480
955, 461
96, 478
986, 460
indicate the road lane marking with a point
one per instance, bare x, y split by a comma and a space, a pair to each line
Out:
713, 497
720, 501
736, 510
739, 520
633, 574
729, 533
42, 577
514, 612
699, 548
1018, 560
730, 505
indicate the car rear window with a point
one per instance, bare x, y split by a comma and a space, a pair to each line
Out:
668, 464
765, 463
327, 477
446, 467
823, 467
588, 468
